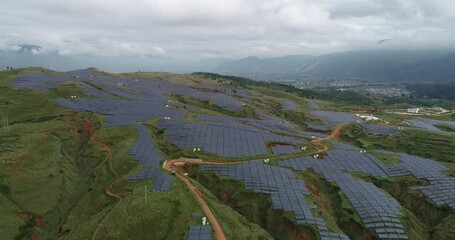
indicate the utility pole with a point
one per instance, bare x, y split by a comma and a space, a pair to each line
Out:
7, 124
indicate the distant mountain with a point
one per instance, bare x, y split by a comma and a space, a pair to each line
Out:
384, 65
255, 64
30, 56
433, 70
374, 65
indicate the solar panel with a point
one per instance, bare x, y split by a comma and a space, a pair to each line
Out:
286, 191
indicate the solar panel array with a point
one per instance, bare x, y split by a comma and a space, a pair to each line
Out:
240, 137
267, 123
380, 129
286, 191
334, 118
121, 112
441, 189
145, 152
376, 209
200, 232
148, 89
243, 93
429, 125
227, 140
90, 91
289, 105
312, 105
318, 127
39, 81
81, 73
285, 149
196, 214
335, 161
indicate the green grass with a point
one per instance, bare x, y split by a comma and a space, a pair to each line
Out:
234, 225
445, 128
422, 218
385, 158
39, 168
166, 215
244, 112
94, 204
415, 142
64, 179
333, 206
9, 223
255, 207
298, 118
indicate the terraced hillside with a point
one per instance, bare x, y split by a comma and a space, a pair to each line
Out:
93, 155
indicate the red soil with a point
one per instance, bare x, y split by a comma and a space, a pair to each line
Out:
274, 144
34, 219
209, 90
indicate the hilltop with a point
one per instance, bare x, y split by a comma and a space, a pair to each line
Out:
88, 154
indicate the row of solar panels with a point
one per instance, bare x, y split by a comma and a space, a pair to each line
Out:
287, 192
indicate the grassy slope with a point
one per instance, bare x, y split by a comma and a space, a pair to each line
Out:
245, 111
64, 179
445, 128
255, 207
422, 218
75, 174
333, 206
234, 225
425, 144
8, 221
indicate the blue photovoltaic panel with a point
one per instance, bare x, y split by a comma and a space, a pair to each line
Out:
289, 105
376, 209
312, 105
286, 191
334, 118
318, 127
429, 125
441, 189
226, 139
126, 102
285, 149
39, 81
145, 152
200, 232
380, 129
121, 112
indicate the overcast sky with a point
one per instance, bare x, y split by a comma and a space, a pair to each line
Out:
197, 29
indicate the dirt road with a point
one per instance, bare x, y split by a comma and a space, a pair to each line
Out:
109, 191
176, 166
172, 166
219, 234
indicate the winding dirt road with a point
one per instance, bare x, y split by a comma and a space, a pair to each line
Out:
219, 234
109, 191
176, 166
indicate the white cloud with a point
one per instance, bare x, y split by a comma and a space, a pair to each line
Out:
224, 28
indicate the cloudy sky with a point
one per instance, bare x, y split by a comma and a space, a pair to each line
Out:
198, 29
